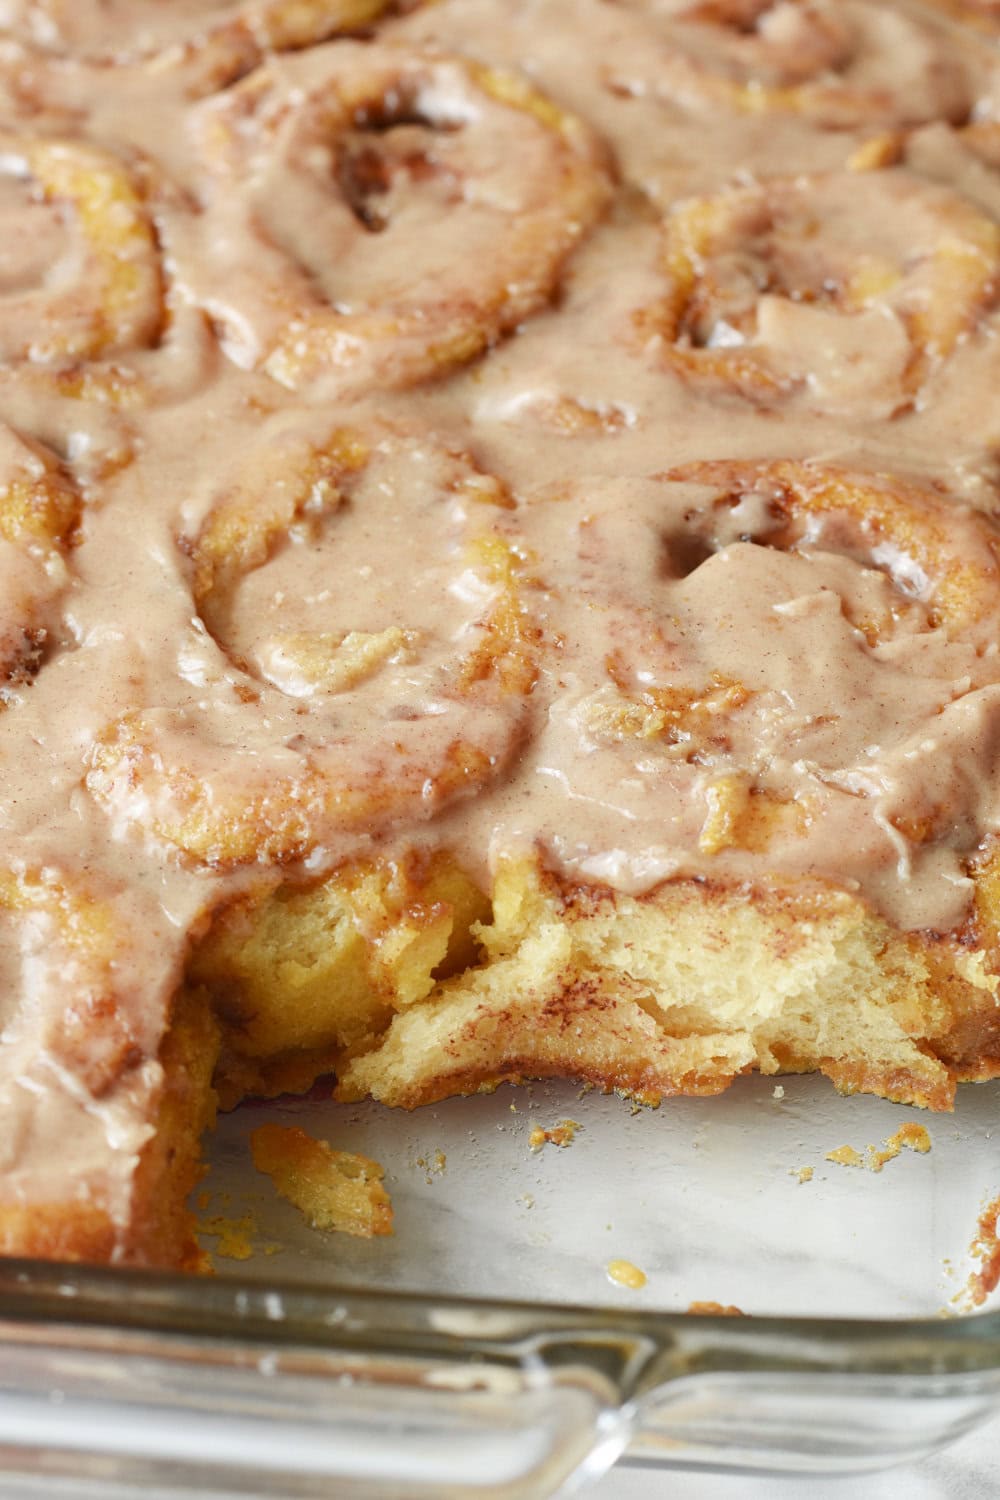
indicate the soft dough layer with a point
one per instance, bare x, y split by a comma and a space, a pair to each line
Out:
680, 992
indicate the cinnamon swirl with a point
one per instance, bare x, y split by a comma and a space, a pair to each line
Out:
757, 275
393, 159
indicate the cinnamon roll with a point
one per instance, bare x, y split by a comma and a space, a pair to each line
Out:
839, 64
75, 1029
777, 288
436, 201
829, 800
223, 39
334, 711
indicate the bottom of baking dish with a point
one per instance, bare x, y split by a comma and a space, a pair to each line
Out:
486, 1349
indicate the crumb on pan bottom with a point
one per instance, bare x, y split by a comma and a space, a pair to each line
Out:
335, 1190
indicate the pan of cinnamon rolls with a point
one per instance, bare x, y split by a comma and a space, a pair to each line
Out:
500, 542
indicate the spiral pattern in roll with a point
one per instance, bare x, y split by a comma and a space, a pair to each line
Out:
686, 703
758, 304
438, 201
827, 62
352, 706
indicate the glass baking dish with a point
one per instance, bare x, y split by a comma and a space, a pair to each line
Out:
483, 1349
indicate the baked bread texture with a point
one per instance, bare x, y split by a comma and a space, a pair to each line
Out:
499, 569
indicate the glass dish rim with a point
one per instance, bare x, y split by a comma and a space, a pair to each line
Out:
47, 1297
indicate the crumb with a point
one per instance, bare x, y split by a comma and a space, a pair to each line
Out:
717, 1309
333, 1189
985, 1248
234, 1236
804, 1174
526, 1200
624, 1273
916, 1137
202, 1201
846, 1156
909, 1137
912, 1137
779, 1091
435, 1166
556, 1135
513, 1109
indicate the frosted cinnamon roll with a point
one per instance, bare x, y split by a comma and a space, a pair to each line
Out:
849, 288
87, 1081
339, 686
376, 216
688, 687
775, 715
839, 64
223, 39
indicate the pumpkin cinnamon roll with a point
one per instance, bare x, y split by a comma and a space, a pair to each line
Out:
888, 590
374, 216
849, 288
340, 687
87, 1083
767, 866
223, 39
839, 65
